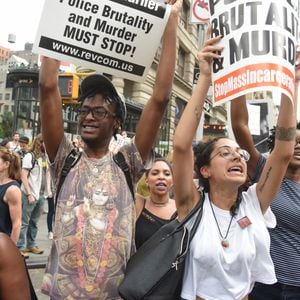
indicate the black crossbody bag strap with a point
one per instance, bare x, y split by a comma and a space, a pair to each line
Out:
196, 210
199, 207
70, 161
119, 159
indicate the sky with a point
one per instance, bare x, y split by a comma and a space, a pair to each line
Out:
21, 18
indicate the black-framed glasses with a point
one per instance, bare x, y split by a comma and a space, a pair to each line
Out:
230, 153
97, 112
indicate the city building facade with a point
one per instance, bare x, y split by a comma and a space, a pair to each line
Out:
5, 94
190, 39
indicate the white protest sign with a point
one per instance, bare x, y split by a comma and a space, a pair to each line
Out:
199, 11
119, 37
254, 119
259, 39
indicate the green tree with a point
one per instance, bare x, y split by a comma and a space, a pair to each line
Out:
6, 126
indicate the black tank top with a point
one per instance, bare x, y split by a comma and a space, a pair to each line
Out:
146, 225
5, 220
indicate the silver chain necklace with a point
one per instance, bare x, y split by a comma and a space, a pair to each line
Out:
224, 241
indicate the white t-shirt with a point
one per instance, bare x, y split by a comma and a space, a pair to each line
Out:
35, 175
13, 147
213, 272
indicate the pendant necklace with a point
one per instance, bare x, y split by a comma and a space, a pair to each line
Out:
224, 241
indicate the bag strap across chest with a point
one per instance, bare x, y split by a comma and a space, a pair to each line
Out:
74, 156
119, 159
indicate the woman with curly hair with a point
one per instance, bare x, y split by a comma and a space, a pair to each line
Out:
230, 249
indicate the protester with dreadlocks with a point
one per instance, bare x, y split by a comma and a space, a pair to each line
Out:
95, 213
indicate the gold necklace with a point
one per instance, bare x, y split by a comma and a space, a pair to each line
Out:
224, 241
157, 204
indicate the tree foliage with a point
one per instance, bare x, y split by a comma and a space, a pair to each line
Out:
6, 125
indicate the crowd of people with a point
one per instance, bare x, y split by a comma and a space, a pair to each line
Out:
247, 243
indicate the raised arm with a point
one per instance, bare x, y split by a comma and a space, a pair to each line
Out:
186, 194
277, 162
50, 106
239, 123
153, 112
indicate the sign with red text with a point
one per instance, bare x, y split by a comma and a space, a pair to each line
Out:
118, 37
259, 39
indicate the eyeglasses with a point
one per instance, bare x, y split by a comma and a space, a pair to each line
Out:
230, 153
97, 112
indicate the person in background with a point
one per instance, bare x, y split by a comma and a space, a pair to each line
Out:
10, 194
285, 237
24, 146
125, 137
32, 197
14, 144
116, 143
4, 143
14, 283
95, 213
230, 249
50, 200
156, 210
142, 188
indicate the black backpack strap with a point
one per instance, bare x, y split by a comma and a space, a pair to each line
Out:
70, 161
119, 159
33, 161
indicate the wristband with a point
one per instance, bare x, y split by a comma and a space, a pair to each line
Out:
28, 195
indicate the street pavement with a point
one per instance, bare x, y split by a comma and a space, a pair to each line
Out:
36, 262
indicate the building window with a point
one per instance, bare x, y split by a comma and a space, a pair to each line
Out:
7, 96
181, 62
6, 108
184, 15
180, 105
162, 145
1, 96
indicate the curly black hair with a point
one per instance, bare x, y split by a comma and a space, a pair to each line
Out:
202, 153
271, 138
